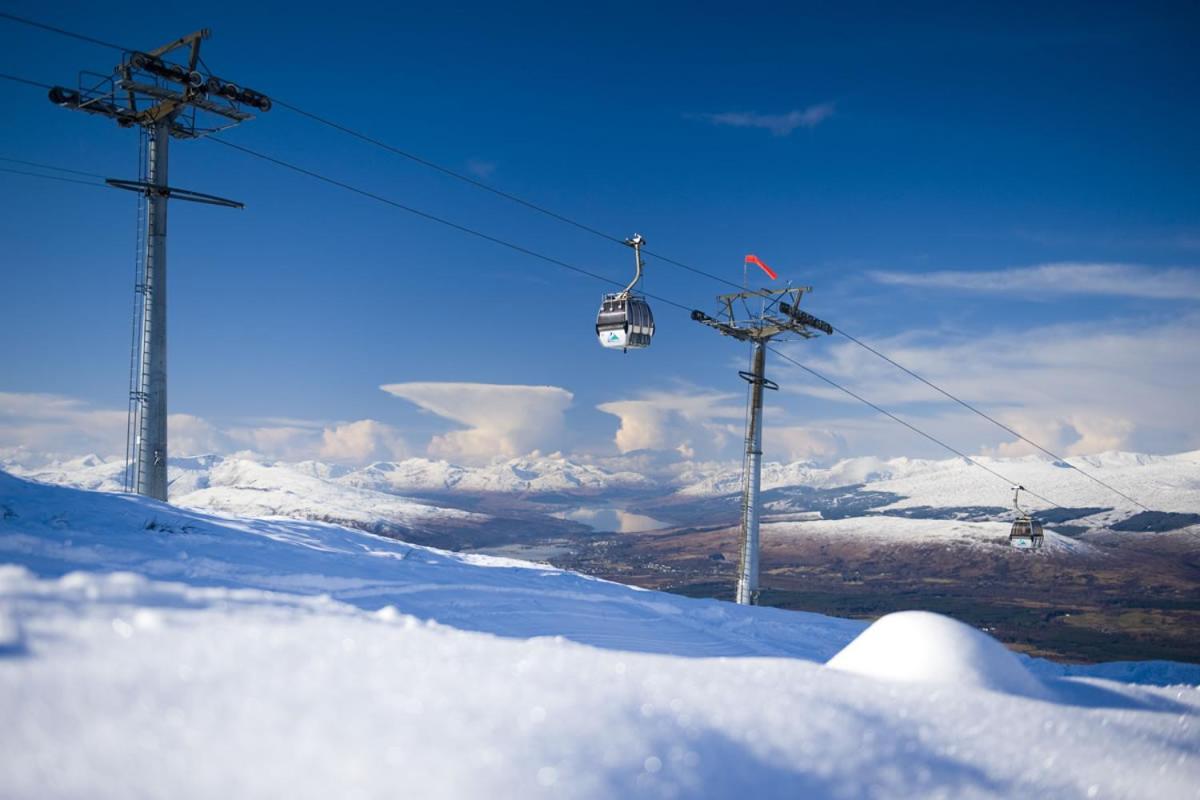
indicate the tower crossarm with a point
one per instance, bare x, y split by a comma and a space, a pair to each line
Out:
777, 317
725, 329
170, 100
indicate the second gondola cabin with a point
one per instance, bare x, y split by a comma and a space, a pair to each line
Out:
1026, 532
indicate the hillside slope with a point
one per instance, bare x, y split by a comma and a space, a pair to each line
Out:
150, 650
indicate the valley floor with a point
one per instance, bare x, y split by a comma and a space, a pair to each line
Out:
1097, 596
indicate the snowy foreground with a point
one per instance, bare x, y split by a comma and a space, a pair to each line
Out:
152, 651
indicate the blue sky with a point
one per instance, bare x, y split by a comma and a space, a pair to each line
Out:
1009, 201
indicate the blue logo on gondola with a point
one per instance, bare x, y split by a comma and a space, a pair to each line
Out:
612, 337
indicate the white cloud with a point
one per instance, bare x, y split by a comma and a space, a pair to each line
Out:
362, 441
58, 426
1098, 433
777, 124
354, 442
643, 425
192, 435
675, 421
502, 420
1127, 280
1074, 434
290, 442
1074, 388
800, 443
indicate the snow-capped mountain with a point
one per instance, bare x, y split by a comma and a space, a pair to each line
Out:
240, 486
374, 498
1161, 482
303, 659
377, 497
717, 478
527, 475
247, 488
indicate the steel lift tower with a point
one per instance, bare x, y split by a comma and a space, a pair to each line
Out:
778, 315
164, 99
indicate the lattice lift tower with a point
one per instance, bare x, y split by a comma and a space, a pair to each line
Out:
778, 315
163, 99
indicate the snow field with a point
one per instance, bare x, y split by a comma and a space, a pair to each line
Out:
147, 650
134, 687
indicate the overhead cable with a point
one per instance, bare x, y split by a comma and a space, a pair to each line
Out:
61, 31
51, 167
433, 217
1059, 459
16, 79
590, 274
52, 177
519, 248
905, 423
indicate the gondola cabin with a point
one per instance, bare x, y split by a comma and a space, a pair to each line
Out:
624, 322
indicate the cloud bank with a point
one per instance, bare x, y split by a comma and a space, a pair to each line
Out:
362, 441
1075, 388
56, 425
683, 422
1128, 280
500, 419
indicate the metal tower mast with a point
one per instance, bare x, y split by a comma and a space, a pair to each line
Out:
778, 315
165, 99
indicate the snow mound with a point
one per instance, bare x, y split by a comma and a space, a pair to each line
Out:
923, 647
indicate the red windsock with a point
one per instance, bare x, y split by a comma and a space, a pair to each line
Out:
755, 260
